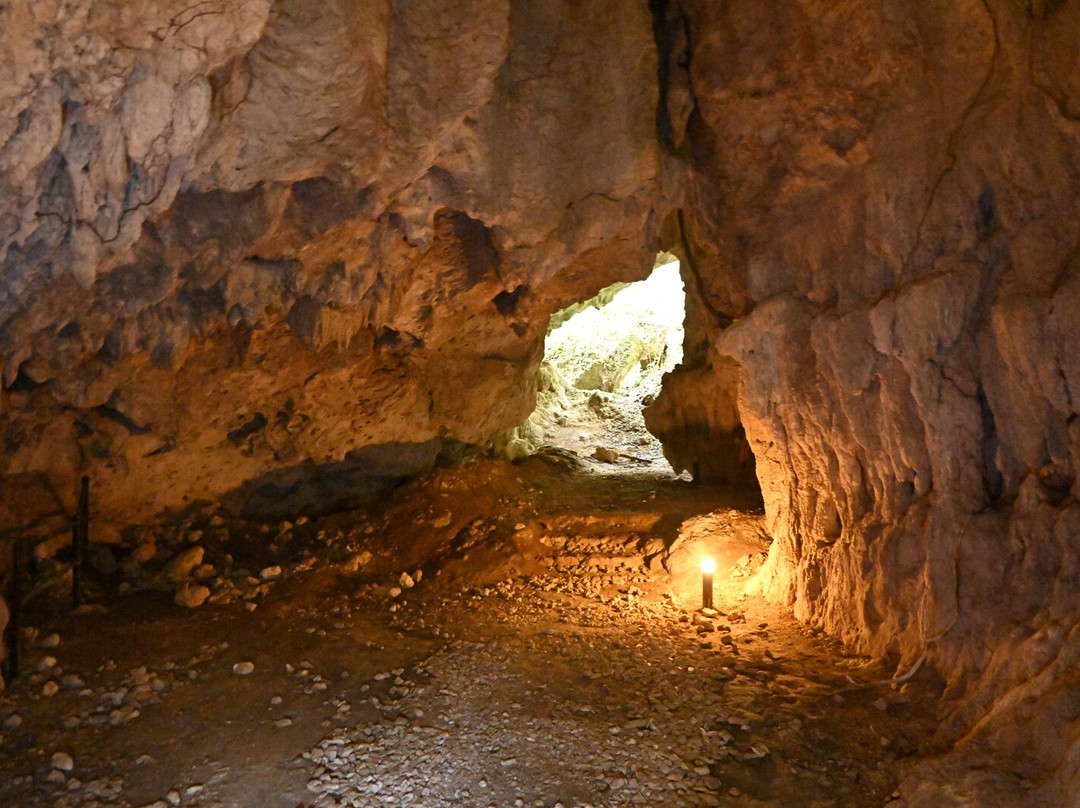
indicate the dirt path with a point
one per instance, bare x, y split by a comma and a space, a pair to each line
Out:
551, 653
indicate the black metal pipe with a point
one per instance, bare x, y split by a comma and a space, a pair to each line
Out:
15, 596
80, 536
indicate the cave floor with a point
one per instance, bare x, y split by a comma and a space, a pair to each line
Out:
551, 653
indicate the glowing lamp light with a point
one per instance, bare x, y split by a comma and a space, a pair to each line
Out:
708, 567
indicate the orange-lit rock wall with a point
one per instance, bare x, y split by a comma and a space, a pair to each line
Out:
886, 198
241, 242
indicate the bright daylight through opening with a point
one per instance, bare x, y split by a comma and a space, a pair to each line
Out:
604, 361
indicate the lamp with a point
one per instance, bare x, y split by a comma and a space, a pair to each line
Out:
708, 567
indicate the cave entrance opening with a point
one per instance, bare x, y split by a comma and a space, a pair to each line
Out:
604, 360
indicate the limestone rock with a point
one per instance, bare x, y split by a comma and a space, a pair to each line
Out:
144, 552
898, 300
191, 596
287, 254
605, 455
696, 418
183, 563
220, 270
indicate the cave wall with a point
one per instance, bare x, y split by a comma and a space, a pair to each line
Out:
885, 203
240, 241
696, 415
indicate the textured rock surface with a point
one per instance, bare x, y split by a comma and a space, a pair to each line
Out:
886, 200
245, 246
241, 241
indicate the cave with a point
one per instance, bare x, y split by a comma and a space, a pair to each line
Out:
281, 523
605, 361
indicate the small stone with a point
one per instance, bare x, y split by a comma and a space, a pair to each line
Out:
181, 565
51, 688
406, 581
269, 573
144, 552
281, 723
173, 797
191, 597
13, 721
62, 761
50, 641
395, 591
605, 455
243, 668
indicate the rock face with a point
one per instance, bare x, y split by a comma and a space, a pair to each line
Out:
248, 247
697, 419
240, 241
696, 416
885, 202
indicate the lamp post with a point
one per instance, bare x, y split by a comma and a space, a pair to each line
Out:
708, 567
